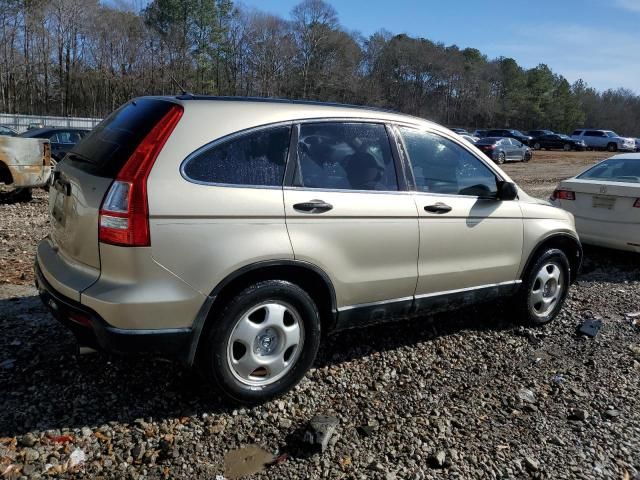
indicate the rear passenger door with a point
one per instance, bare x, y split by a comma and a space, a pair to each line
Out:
470, 241
348, 212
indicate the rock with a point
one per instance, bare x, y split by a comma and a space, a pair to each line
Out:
527, 395
86, 432
366, 430
531, 464
635, 350
438, 460
27, 440
76, 458
612, 413
319, 431
285, 423
578, 414
138, 451
31, 455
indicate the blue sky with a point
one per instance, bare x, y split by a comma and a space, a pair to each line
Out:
596, 40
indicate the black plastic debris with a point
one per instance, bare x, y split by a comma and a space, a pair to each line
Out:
590, 327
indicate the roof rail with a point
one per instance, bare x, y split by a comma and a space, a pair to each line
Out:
190, 96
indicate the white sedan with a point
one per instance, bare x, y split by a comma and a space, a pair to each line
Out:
605, 200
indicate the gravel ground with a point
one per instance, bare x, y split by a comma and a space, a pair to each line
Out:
465, 395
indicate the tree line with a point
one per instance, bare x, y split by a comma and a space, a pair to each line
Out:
85, 58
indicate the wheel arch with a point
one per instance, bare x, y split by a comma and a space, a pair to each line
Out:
569, 244
307, 276
5, 174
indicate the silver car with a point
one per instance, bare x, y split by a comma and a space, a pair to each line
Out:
232, 233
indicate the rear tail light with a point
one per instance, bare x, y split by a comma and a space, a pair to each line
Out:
563, 195
637, 203
124, 214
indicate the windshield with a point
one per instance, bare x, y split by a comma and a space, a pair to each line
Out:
565, 137
517, 132
611, 134
615, 170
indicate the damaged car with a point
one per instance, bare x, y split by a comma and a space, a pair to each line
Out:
25, 163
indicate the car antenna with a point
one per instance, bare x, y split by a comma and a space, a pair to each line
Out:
182, 90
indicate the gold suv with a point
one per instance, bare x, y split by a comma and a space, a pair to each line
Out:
231, 233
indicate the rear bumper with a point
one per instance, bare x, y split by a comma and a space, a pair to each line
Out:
93, 331
620, 236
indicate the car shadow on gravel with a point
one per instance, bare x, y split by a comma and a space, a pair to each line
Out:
45, 385
614, 266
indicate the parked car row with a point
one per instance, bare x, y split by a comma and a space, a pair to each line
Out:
580, 139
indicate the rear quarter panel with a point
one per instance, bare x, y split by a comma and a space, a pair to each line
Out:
202, 233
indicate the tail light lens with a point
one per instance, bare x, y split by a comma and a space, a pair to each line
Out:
563, 195
124, 214
637, 203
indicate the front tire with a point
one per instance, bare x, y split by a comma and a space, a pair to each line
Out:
501, 158
544, 288
536, 146
264, 341
612, 147
566, 147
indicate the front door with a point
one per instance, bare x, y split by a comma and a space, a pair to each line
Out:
347, 214
470, 241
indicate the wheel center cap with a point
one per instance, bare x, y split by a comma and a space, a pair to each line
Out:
266, 342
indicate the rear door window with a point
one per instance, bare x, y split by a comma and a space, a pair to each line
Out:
254, 159
108, 146
442, 166
345, 156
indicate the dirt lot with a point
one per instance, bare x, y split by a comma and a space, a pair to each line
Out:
464, 395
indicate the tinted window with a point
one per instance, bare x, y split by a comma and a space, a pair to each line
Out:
257, 158
615, 170
107, 147
594, 134
442, 166
347, 156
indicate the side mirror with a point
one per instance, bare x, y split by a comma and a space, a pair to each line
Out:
507, 191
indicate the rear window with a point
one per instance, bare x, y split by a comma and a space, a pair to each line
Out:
615, 170
108, 146
253, 159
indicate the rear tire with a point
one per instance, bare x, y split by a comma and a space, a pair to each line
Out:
544, 288
263, 342
566, 147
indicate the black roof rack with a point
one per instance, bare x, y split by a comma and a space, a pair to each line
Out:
190, 96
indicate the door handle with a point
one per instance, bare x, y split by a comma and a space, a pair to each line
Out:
438, 208
314, 206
